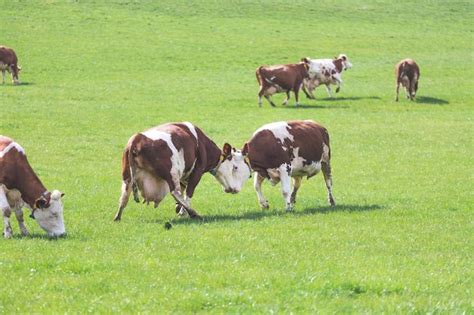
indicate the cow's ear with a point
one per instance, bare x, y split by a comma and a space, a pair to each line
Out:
227, 149
245, 150
305, 59
41, 202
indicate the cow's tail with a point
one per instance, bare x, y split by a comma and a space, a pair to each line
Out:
326, 142
132, 153
402, 70
259, 75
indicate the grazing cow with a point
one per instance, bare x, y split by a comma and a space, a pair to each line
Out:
408, 73
172, 158
9, 62
327, 72
19, 186
282, 78
281, 150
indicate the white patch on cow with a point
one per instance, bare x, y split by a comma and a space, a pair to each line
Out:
191, 128
279, 130
177, 158
11, 146
298, 167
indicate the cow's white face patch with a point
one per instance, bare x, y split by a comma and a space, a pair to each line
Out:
12, 145
279, 129
233, 173
51, 219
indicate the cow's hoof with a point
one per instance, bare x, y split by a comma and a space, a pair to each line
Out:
265, 205
117, 218
25, 233
289, 209
7, 234
182, 212
273, 105
337, 90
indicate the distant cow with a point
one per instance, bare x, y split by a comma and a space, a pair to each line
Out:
9, 62
20, 186
282, 78
172, 158
408, 74
280, 151
327, 72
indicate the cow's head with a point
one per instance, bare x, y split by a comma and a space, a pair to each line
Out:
232, 170
48, 213
310, 66
346, 64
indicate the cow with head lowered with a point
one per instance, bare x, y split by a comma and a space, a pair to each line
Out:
327, 72
407, 73
281, 151
20, 186
282, 78
9, 62
172, 158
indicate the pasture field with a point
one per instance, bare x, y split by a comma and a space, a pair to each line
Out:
95, 72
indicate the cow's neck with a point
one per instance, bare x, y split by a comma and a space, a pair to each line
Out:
213, 155
338, 64
30, 187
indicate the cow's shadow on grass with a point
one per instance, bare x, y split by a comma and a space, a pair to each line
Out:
261, 214
350, 98
430, 100
40, 236
16, 85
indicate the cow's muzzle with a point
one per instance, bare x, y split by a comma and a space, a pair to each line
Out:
231, 190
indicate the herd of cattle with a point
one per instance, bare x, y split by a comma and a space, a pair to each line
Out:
172, 158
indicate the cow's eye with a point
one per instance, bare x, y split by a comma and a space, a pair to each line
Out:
235, 168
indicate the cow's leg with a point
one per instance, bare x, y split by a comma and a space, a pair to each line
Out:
175, 189
285, 179
179, 209
126, 191
257, 184
328, 88
296, 186
326, 168
285, 102
296, 91
398, 90
413, 84
21, 221
3, 76
260, 94
6, 212
306, 87
339, 85
270, 100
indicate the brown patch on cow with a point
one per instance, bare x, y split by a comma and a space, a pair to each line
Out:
338, 63
16, 173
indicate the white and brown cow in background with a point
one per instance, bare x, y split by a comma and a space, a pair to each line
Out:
407, 73
20, 186
172, 158
282, 78
282, 150
9, 62
327, 72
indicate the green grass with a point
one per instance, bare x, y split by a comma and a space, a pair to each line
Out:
400, 239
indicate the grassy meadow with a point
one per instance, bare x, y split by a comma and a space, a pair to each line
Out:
95, 72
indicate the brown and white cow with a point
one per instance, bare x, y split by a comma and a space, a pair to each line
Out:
327, 72
283, 150
407, 73
172, 158
282, 78
9, 62
20, 186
